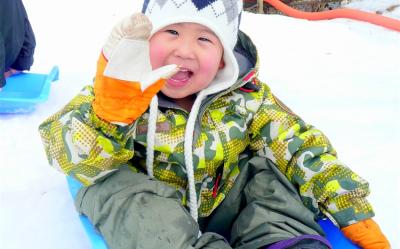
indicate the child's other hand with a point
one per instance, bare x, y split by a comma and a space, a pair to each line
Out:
366, 234
125, 82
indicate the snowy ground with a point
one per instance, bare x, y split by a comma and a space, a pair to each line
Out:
342, 76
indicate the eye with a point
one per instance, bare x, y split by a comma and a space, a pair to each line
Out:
172, 32
205, 39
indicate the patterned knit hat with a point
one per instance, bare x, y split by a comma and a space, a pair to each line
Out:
221, 16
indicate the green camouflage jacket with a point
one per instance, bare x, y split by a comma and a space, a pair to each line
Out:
241, 121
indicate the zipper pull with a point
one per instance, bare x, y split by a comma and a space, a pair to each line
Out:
216, 185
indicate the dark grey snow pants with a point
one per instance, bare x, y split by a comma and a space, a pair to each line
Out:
133, 211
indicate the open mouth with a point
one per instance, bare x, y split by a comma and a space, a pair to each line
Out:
181, 78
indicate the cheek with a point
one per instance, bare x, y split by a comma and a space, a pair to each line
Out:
157, 55
211, 64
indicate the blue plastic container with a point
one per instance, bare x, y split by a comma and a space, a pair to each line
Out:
333, 234
24, 90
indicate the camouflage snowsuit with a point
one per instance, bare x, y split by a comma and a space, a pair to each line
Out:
239, 133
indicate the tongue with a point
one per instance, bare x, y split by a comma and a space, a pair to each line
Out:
181, 75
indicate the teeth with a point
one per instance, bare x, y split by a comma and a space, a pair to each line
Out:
182, 75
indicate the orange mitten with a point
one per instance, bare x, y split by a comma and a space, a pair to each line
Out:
125, 82
366, 234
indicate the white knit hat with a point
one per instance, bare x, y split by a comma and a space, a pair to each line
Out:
221, 16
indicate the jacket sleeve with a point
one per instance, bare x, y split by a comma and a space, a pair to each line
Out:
305, 156
81, 145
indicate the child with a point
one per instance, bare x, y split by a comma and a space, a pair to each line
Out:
178, 120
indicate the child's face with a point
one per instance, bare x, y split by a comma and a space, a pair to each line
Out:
193, 47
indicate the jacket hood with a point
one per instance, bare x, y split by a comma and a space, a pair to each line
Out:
246, 54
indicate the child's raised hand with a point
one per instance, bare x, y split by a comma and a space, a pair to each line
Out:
125, 82
134, 27
366, 234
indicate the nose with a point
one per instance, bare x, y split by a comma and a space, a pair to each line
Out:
184, 50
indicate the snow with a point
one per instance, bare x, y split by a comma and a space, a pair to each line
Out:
341, 75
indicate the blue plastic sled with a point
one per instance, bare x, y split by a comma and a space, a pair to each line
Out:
333, 234
24, 90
